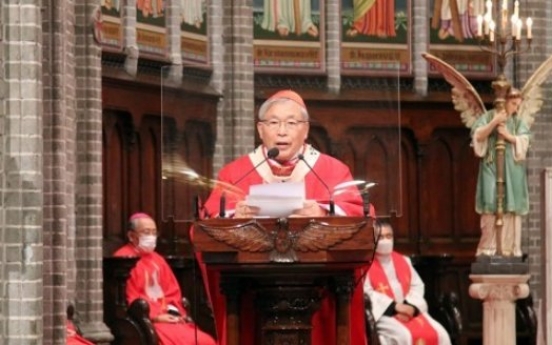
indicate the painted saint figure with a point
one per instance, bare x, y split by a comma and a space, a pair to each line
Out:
192, 12
457, 18
289, 17
373, 18
155, 8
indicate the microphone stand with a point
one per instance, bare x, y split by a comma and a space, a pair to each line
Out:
366, 204
197, 208
222, 205
332, 207
271, 154
331, 211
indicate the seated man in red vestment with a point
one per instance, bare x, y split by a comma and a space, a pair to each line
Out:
397, 295
283, 124
153, 280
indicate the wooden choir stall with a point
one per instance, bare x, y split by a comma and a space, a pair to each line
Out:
286, 263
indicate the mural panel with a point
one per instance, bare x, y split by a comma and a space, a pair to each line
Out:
194, 31
112, 33
375, 37
288, 35
151, 33
453, 29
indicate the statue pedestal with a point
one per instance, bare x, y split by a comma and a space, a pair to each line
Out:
499, 293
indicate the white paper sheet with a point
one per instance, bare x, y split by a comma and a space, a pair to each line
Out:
276, 199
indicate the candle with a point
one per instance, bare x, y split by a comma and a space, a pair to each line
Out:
518, 31
491, 31
479, 25
516, 8
486, 21
505, 4
504, 22
513, 22
529, 26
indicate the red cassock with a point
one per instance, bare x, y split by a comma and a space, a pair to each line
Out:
153, 280
332, 172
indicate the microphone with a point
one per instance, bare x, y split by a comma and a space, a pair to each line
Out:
366, 198
270, 154
332, 204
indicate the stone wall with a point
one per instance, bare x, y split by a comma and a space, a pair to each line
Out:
21, 174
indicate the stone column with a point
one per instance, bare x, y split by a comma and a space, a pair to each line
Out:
58, 147
21, 174
499, 293
173, 10
89, 193
333, 45
420, 43
130, 45
238, 121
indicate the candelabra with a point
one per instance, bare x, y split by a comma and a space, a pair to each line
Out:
502, 38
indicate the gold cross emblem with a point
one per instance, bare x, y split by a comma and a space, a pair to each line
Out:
382, 288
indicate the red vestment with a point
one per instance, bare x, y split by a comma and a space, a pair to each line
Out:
332, 172
419, 326
153, 280
73, 338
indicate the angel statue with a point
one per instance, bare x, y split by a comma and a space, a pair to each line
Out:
502, 195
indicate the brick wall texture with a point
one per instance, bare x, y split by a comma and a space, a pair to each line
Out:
51, 144
540, 156
51, 91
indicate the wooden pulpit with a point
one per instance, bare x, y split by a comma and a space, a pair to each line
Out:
287, 265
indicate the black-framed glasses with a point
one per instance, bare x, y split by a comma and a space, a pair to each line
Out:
288, 124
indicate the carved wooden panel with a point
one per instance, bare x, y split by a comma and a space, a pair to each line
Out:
448, 179
142, 134
117, 140
131, 172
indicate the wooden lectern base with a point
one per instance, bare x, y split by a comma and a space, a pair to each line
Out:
288, 265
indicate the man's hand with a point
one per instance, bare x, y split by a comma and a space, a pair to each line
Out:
244, 211
168, 318
404, 311
310, 209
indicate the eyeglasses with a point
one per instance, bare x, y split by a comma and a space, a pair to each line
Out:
288, 124
146, 232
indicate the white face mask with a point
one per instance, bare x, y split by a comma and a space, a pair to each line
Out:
385, 247
147, 243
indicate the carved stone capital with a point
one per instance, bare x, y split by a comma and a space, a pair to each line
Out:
499, 293
496, 287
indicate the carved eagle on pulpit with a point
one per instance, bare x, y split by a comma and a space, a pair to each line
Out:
283, 242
